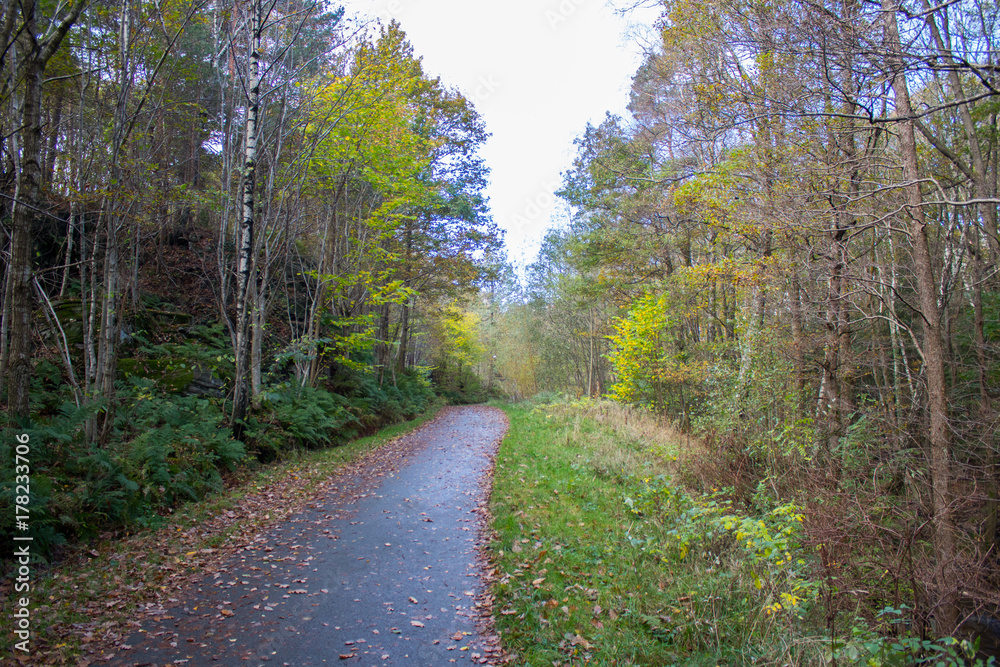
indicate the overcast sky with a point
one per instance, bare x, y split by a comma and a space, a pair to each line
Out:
537, 71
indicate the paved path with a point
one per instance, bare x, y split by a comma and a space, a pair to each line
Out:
380, 570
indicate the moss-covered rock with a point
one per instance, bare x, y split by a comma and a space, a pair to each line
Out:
171, 374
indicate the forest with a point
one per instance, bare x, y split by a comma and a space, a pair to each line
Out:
788, 249
235, 230
232, 230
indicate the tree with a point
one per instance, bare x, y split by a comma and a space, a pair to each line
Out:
35, 46
795, 231
401, 189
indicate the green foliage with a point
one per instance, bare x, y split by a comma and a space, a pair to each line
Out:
408, 396
291, 415
166, 449
769, 546
586, 578
206, 347
866, 647
458, 350
309, 416
180, 446
603, 556
656, 364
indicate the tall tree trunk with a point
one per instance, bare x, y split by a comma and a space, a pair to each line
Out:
382, 344
258, 320
245, 265
404, 335
108, 344
33, 56
113, 218
55, 118
933, 342
404, 318
798, 349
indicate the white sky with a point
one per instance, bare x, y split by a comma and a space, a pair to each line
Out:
537, 71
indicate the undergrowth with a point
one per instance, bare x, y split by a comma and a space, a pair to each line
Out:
605, 559
166, 448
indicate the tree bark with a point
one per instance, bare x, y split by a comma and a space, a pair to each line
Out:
33, 56
245, 264
933, 343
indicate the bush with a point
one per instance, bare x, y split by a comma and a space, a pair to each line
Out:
291, 415
182, 443
309, 416
165, 449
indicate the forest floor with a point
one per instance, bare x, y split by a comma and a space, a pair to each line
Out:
380, 564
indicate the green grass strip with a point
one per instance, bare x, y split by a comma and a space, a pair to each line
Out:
578, 582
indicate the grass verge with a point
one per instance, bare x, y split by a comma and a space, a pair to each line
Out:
602, 557
572, 588
89, 600
602, 561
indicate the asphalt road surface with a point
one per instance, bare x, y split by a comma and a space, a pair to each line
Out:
381, 569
